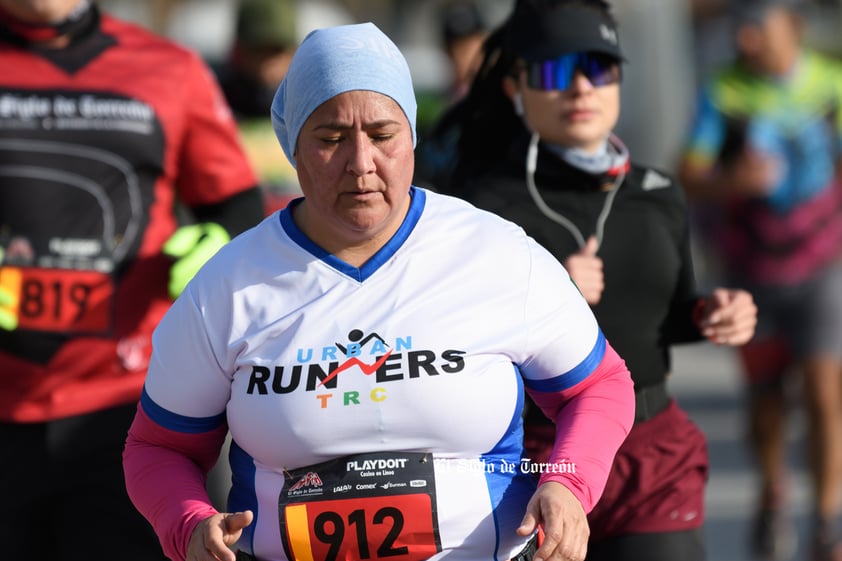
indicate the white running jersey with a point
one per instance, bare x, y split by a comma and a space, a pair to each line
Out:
375, 410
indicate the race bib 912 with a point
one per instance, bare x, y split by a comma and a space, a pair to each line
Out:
375, 507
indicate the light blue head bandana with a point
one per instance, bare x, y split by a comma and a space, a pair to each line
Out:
336, 60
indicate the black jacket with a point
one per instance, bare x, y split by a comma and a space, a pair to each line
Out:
649, 281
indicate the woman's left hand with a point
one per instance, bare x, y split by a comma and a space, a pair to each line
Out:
212, 537
563, 520
727, 317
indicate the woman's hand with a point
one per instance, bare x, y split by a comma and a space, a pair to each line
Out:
563, 520
585, 268
727, 317
212, 538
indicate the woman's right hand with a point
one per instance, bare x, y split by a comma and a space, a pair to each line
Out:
564, 523
212, 538
585, 269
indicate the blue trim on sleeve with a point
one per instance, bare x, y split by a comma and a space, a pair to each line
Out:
176, 422
243, 493
572, 377
506, 491
510, 447
416, 208
511, 444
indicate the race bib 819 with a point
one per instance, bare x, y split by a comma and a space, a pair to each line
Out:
64, 301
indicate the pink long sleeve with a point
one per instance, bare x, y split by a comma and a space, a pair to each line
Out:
166, 473
592, 419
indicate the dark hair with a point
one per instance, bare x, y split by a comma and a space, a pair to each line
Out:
485, 118
752, 12
460, 19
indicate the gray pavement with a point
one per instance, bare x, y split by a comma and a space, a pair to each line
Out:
707, 382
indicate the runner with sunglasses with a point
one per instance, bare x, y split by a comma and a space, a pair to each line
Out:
536, 146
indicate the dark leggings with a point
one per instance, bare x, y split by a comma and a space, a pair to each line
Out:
687, 545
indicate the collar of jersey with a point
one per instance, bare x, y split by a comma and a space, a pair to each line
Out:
416, 206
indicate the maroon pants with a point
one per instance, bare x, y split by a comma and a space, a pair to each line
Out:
657, 481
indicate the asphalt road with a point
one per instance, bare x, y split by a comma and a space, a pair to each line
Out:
707, 383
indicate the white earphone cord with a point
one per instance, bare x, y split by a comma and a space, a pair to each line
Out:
531, 163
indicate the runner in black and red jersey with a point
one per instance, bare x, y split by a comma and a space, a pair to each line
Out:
105, 129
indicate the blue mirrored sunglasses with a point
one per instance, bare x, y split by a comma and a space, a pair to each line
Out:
557, 74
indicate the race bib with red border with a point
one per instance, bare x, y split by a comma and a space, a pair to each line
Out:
374, 507
64, 300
